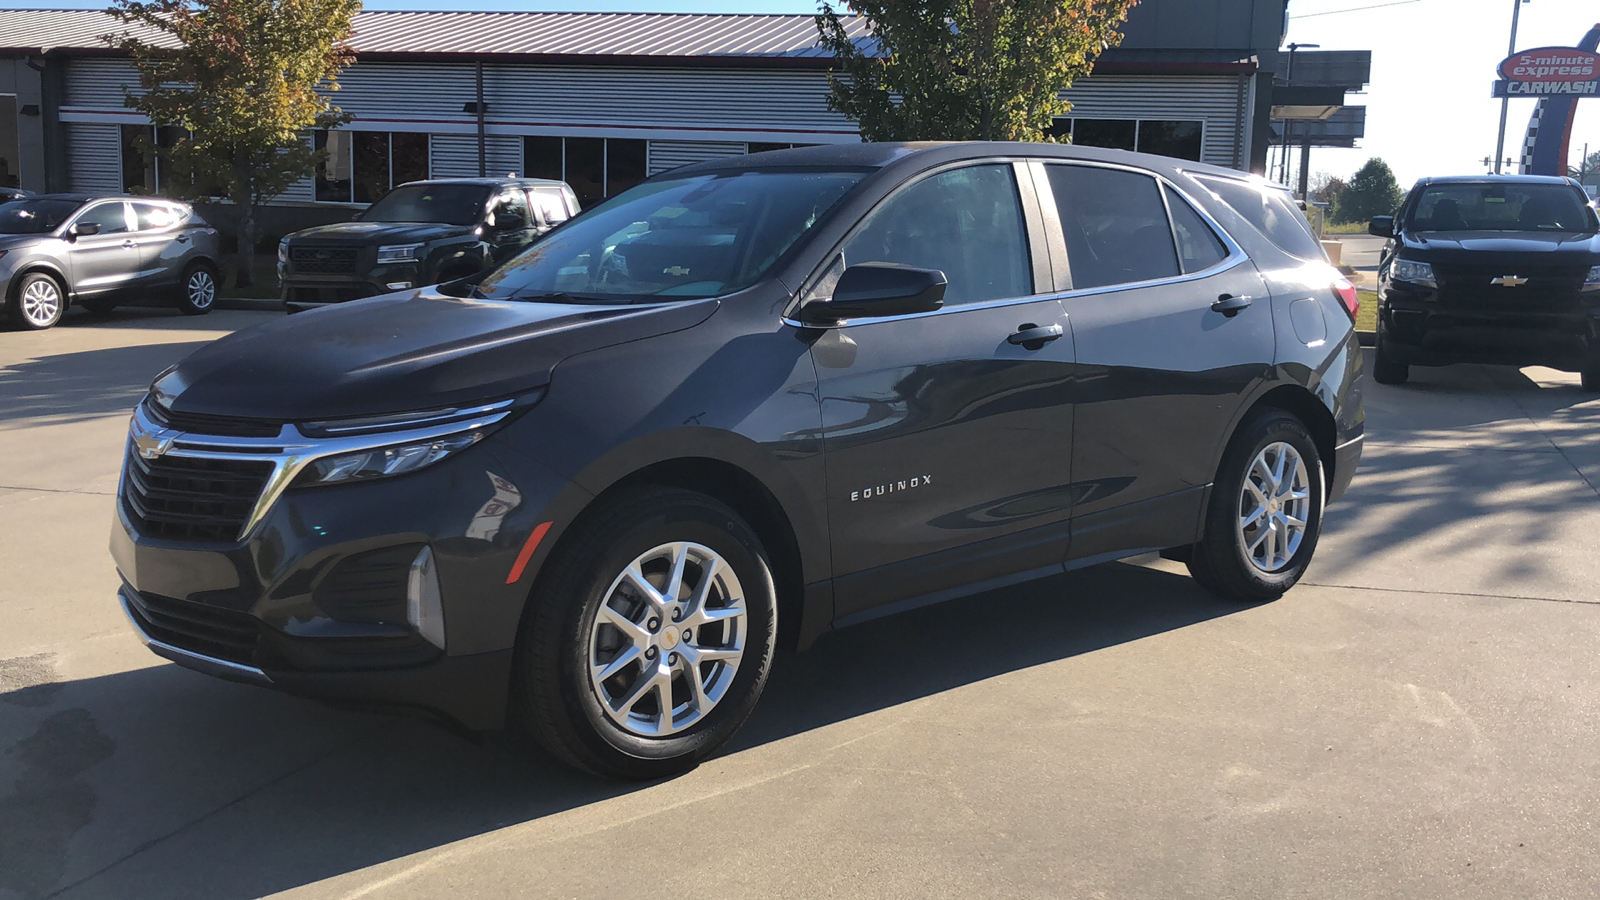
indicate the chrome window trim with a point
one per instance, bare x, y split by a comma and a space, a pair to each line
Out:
211, 665
290, 452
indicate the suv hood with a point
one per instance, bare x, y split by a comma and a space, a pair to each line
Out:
1489, 246
403, 352
380, 233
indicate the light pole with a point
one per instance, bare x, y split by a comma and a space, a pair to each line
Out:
1505, 104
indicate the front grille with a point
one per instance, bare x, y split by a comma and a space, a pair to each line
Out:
1548, 287
322, 260
200, 423
187, 499
368, 587
206, 630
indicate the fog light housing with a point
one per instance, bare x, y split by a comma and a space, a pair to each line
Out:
424, 609
398, 285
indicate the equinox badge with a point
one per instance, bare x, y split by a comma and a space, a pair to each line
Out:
1509, 281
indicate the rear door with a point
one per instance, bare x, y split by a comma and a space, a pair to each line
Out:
107, 261
1173, 330
947, 447
549, 207
164, 245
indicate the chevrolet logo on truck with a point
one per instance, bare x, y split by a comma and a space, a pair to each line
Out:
1509, 281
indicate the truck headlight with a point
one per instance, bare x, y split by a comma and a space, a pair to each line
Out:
283, 251
398, 253
382, 462
1412, 272
1592, 283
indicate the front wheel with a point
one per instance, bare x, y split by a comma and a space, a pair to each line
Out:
37, 301
1385, 368
1265, 512
198, 292
649, 639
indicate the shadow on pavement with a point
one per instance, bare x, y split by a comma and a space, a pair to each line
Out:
355, 791
87, 384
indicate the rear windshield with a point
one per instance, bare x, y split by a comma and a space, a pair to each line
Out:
1501, 207
450, 204
35, 216
1273, 212
690, 237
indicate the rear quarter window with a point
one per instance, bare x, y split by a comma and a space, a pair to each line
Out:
1272, 211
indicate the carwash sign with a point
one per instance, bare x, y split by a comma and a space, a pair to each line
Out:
1550, 72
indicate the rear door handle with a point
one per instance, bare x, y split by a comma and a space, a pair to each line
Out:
1231, 306
1032, 337
129, 244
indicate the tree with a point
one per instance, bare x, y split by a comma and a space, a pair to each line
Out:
1373, 191
1329, 189
964, 69
1588, 167
240, 78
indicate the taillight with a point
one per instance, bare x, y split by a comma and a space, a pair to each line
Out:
1348, 296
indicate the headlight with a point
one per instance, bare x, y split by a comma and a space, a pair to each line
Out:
283, 250
1412, 272
398, 253
1592, 283
385, 461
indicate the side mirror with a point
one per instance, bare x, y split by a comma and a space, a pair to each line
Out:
876, 289
85, 229
1381, 226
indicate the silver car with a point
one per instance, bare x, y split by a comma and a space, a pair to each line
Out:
59, 250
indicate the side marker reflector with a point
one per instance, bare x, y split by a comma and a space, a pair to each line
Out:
527, 552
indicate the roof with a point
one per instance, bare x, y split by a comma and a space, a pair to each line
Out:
548, 34
491, 181
1498, 179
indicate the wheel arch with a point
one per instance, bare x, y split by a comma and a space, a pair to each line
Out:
47, 268
1305, 406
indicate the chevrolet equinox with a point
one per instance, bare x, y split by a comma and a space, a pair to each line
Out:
589, 494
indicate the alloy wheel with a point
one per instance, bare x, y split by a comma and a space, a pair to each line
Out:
1274, 507
667, 639
202, 289
41, 302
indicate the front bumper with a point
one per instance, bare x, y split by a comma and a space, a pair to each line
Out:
314, 600
301, 292
1435, 333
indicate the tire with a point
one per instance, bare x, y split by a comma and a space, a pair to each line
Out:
197, 292
1224, 561
611, 726
1385, 369
1591, 379
99, 306
38, 301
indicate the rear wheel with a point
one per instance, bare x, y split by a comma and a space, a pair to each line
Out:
650, 636
1265, 512
37, 301
198, 290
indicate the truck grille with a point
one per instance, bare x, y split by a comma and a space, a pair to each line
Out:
206, 630
187, 499
1548, 287
322, 260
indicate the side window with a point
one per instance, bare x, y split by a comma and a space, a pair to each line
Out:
1115, 226
111, 217
966, 223
155, 217
1273, 212
550, 204
510, 212
1199, 248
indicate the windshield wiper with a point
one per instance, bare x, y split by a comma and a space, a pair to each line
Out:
560, 297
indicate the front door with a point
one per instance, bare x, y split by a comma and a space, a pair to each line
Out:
106, 261
510, 225
1161, 371
948, 447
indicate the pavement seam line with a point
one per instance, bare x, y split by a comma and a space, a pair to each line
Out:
1546, 435
1357, 587
12, 487
160, 839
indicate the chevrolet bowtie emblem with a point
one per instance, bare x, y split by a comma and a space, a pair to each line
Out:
679, 271
152, 444
1509, 281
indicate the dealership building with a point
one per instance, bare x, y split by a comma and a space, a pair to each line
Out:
602, 100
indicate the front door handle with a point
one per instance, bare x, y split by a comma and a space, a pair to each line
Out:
182, 239
1231, 306
1032, 337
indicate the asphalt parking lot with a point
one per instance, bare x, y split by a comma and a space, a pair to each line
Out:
1419, 720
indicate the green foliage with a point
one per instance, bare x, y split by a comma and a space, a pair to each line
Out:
964, 69
1329, 189
242, 82
1373, 191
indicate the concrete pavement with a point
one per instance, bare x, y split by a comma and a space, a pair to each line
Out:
1417, 721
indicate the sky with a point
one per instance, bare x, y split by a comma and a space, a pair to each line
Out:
1429, 109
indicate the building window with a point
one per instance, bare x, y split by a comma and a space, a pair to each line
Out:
1176, 138
362, 166
595, 168
143, 169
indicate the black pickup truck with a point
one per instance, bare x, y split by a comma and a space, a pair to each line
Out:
421, 233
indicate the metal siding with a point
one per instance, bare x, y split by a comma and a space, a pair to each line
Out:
456, 155
665, 155
99, 83
94, 158
1212, 99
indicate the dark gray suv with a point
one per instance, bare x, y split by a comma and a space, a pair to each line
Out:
57, 250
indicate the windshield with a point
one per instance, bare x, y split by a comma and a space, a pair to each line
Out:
691, 237
451, 204
35, 216
1501, 207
